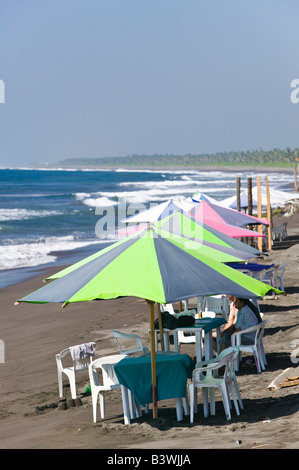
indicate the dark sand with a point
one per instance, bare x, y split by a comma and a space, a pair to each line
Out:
33, 334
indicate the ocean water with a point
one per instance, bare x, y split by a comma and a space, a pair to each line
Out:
55, 217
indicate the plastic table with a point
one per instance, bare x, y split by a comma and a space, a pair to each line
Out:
172, 371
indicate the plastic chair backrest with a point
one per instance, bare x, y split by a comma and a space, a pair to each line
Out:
108, 375
237, 336
78, 364
200, 303
214, 304
123, 339
167, 308
282, 268
230, 349
186, 308
261, 330
280, 274
225, 360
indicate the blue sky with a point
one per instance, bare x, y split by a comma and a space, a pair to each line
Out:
95, 78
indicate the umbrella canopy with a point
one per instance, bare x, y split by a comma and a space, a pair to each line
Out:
277, 198
153, 265
197, 197
230, 230
159, 211
232, 201
185, 225
207, 211
169, 207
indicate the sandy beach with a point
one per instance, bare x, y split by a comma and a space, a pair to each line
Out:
30, 417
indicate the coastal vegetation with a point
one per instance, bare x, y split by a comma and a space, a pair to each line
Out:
271, 158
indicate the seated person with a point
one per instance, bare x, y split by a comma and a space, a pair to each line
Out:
244, 315
228, 328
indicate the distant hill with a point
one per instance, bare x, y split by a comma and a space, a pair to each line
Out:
272, 158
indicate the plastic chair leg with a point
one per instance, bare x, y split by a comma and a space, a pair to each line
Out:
94, 407
126, 408
205, 402
72, 380
238, 393
186, 405
179, 409
60, 385
102, 404
225, 400
232, 391
257, 361
192, 392
212, 401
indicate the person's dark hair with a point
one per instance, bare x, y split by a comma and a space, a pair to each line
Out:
253, 308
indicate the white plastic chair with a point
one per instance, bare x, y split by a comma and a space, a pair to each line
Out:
280, 232
257, 348
110, 382
231, 375
274, 277
75, 367
124, 339
262, 355
204, 377
167, 308
217, 304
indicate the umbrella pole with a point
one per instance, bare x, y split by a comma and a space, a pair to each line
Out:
160, 327
153, 358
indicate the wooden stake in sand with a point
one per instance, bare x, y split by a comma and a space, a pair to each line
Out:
269, 214
259, 213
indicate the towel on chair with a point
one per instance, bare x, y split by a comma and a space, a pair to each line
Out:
82, 351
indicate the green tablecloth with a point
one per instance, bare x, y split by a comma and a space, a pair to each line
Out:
208, 323
172, 372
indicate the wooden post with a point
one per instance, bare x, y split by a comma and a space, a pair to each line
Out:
238, 186
295, 176
259, 213
269, 215
249, 210
249, 195
153, 359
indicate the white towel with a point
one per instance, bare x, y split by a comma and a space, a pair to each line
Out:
82, 351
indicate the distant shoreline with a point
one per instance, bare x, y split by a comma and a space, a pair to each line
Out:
228, 169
